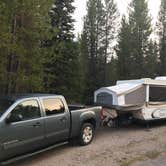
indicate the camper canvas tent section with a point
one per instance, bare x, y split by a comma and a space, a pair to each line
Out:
126, 94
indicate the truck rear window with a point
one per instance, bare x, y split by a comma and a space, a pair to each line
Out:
53, 106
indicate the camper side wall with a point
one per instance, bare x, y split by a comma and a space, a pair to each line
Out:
136, 97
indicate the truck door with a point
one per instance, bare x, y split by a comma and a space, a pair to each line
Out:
57, 120
23, 129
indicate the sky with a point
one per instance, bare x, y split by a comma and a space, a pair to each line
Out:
80, 11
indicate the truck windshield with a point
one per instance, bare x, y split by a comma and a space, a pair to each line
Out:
4, 105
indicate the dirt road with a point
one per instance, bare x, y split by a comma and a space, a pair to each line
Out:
126, 146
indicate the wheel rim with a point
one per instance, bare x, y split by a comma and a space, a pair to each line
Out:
87, 134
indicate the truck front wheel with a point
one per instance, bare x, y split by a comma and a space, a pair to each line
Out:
86, 134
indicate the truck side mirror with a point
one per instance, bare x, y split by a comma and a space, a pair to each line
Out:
13, 118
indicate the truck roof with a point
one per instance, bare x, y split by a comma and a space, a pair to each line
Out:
15, 97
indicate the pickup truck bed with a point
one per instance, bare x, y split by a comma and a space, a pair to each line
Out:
90, 115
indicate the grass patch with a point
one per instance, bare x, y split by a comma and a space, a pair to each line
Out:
148, 155
155, 138
152, 154
130, 162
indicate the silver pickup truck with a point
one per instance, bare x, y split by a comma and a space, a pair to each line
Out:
32, 123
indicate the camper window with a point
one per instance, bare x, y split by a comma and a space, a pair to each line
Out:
157, 94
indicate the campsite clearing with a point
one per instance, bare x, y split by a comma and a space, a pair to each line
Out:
126, 146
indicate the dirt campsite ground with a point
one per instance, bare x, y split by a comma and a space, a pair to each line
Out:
132, 145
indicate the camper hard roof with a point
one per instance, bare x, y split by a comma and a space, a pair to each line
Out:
159, 81
120, 89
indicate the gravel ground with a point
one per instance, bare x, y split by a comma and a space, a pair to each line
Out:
132, 145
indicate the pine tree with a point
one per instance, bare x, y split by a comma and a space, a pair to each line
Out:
23, 25
4, 36
110, 26
62, 68
123, 51
112, 71
84, 59
151, 61
98, 35
141, 30
92, 50
162, 37
134, 41
61, 20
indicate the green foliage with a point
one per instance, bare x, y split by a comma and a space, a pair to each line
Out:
62, 67
123, 51
112, 75
96, 44
90, 48
109, 34
22, 29
61, 20
62, 70
135, 51
38, 52
162, 37
151, 61
140, 23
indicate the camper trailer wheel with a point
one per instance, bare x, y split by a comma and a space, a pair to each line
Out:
86, 134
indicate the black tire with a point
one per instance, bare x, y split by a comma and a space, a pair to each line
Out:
86, 134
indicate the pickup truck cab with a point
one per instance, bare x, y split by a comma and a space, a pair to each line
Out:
33, 122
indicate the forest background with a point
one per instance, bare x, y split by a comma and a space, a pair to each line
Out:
39, 52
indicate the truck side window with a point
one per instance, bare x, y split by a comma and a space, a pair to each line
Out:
26, 110
53, 106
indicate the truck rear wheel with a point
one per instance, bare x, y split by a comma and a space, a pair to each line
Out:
86, 134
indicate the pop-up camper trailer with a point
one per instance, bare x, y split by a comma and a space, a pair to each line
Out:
145, 99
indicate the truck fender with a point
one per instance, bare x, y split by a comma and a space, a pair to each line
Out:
84, 117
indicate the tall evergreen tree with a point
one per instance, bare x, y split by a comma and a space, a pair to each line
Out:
84, 59
110, 26
134, 51
97, 38
123, 51
112, 71
61, 20
62, 69
151, 61
162, 37
141, 30
91, 48
23, 25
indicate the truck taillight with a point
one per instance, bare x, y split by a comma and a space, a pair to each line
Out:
102, 113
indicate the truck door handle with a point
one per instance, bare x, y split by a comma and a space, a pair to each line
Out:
64, 119
37, 124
